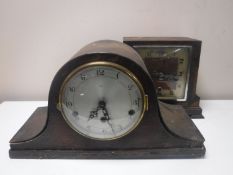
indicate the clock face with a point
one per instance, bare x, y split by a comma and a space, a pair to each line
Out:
169, 68
102, 100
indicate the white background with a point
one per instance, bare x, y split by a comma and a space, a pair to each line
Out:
38, 36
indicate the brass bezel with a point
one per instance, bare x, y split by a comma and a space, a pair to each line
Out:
118, 67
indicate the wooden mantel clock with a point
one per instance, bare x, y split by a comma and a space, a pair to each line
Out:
173, 65
103, 105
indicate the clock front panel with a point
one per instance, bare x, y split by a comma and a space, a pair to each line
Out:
169, 68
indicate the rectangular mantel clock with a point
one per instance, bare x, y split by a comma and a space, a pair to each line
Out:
173, 65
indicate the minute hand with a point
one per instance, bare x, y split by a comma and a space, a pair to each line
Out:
106, 115
107, 118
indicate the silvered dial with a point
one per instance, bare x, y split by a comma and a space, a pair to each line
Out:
169, 68
102, 101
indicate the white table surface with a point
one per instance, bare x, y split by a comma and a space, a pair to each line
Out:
217, 128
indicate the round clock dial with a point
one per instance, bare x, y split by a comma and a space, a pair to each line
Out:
102, 100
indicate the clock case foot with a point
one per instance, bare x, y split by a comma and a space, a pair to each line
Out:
194, 112
30, 142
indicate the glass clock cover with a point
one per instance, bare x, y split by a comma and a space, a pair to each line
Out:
102, 101
169, 68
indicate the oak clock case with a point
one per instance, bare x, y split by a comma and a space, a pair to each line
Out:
102, 104
173, 65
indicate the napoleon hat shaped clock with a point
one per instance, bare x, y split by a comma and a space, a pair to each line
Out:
103, 104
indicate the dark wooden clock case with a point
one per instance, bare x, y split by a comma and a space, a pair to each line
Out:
191, 104
166, 131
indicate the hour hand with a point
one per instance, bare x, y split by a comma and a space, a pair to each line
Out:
101, 106
107, 118
105, 112
93, 114
106, 115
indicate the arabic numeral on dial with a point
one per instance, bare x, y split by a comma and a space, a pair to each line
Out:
181, 61
83, 77
72, 89
137, 102
100, 72
68, 104
120, 127
117, 75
